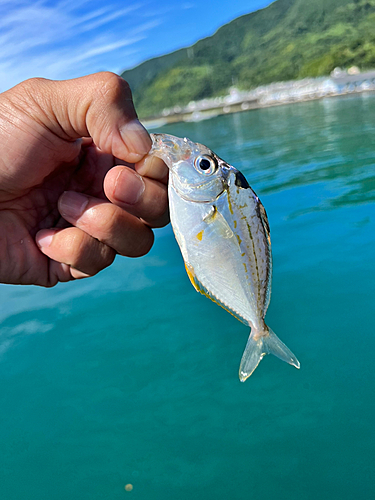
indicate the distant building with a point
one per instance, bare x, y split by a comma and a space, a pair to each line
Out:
353, 70
339, 82
353, 80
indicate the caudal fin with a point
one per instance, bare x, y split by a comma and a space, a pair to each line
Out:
258, 346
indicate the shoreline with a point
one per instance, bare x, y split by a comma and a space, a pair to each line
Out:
276, 94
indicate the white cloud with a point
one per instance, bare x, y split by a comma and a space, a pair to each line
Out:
66, 39
102, 20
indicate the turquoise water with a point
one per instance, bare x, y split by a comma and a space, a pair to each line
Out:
131, 377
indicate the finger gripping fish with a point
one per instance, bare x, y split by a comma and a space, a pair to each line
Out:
223, 233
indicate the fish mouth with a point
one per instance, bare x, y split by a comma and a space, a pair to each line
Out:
162, 142
170, 148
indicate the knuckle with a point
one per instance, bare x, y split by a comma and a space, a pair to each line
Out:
112, 87
161, 221
155, 205
142, 245
74, 242
107, 256
32, 84
111, 101
88, 255
105, 76
36, 90
161, 209
101, 257
27, 95
35, 81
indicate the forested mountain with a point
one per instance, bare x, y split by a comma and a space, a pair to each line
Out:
287, 40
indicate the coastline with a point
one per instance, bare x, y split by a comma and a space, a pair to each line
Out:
276, 94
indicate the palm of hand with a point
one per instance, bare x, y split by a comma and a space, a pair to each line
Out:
32, 185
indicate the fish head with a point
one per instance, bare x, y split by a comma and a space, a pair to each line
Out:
196, 173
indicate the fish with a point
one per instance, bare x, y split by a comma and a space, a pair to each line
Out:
223, 233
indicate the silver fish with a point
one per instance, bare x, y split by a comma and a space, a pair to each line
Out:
223, 233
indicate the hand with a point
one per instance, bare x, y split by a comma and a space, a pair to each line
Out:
75, 188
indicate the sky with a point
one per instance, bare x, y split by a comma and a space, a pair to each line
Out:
61, 39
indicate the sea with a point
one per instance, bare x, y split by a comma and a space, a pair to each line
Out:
125, 385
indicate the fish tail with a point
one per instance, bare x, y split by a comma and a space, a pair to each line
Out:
260, 344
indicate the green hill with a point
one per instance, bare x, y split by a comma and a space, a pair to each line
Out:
287, 40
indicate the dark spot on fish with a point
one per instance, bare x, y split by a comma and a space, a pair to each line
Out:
263, 215
241, 181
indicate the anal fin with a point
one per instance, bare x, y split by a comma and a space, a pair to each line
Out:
199, 287
190, 273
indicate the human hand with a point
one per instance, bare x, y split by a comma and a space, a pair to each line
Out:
75, 188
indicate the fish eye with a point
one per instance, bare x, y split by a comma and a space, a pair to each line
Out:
205, 165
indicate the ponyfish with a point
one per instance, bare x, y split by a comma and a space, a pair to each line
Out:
223, 233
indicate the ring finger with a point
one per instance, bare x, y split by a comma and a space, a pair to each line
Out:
107, 222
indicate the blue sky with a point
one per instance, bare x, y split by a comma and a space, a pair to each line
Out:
61, 39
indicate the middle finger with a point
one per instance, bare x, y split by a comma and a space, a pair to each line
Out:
108, 223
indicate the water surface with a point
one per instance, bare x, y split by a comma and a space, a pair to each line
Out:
131, 377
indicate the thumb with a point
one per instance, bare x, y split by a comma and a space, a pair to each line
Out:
99, 106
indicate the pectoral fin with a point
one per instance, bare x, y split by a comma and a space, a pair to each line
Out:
218, 223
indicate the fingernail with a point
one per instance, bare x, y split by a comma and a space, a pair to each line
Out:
136, 137
129, 186
45, 236
44, 239
72, 204
154, 167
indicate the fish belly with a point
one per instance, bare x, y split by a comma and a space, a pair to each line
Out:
212, 253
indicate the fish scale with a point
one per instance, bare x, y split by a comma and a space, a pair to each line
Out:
255, 243
223, 234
